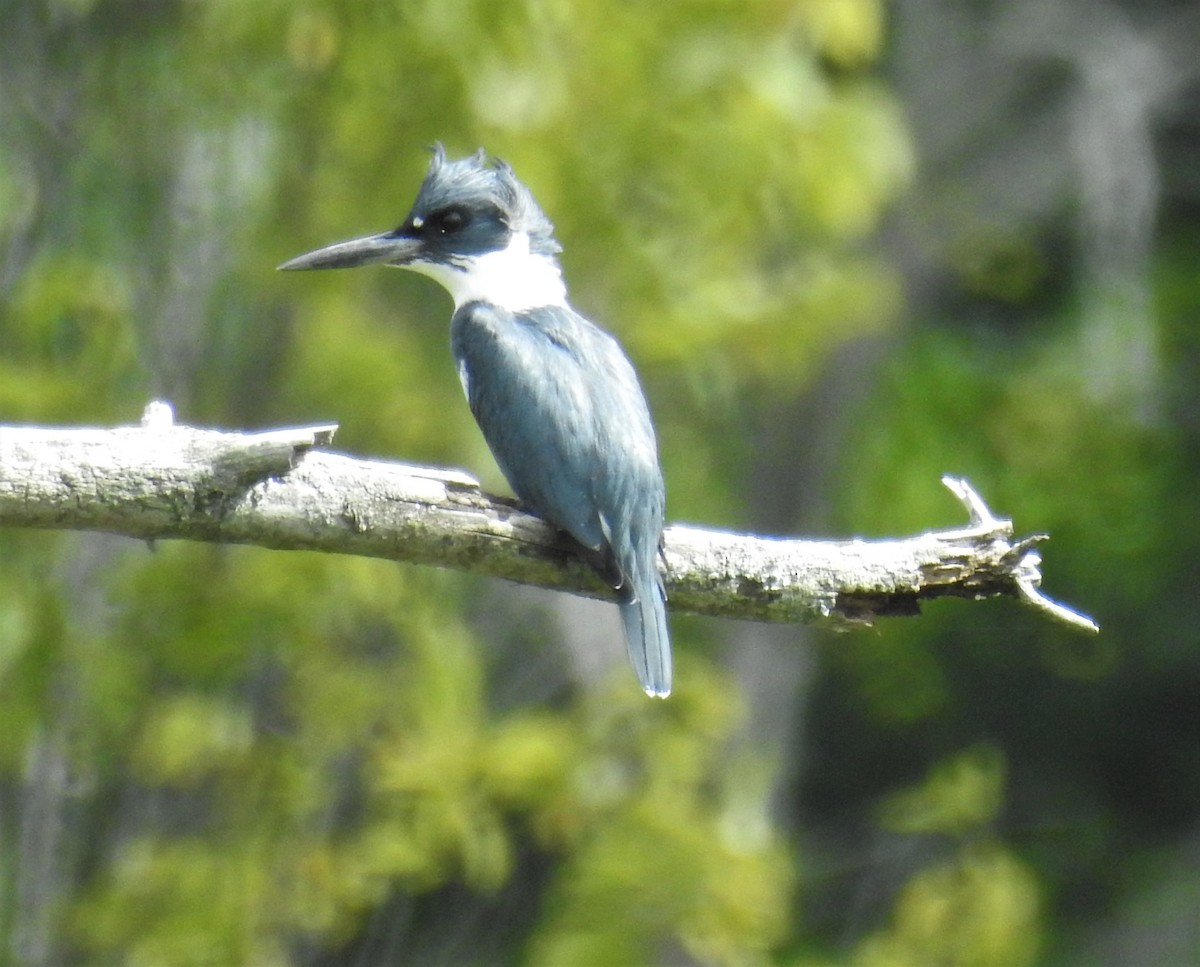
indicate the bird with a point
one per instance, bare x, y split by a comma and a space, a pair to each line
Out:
556, 398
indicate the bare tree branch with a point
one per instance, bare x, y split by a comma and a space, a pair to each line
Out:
277, 489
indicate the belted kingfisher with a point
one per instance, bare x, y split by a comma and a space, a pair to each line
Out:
557, 400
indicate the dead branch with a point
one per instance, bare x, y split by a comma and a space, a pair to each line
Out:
278, 489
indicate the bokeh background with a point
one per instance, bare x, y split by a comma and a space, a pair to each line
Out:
850, 245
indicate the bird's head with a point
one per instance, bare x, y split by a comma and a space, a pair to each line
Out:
474, 228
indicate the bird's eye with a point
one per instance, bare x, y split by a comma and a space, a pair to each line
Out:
449, 221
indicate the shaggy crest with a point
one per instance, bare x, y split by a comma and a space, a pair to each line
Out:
476, 179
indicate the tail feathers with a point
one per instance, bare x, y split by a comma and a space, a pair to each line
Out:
645, 618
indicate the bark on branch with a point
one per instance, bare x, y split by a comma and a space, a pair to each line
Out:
278, 489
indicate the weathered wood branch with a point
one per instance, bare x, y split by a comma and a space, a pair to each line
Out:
278, 489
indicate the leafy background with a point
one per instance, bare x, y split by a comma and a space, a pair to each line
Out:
850, 246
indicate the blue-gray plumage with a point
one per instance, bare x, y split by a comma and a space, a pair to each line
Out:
557, 400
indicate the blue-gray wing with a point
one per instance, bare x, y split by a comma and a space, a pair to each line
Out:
562, 411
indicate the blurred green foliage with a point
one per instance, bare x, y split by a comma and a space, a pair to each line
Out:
981, 908
276, 748
216, 755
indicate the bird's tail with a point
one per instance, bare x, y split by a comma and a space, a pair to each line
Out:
644, 613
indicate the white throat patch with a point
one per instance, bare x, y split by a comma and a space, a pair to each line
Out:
513, 278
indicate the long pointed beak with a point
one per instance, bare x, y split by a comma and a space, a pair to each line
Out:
388, 247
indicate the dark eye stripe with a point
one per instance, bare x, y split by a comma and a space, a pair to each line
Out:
449, 221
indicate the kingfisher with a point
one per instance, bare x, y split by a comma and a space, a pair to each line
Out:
557, 399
